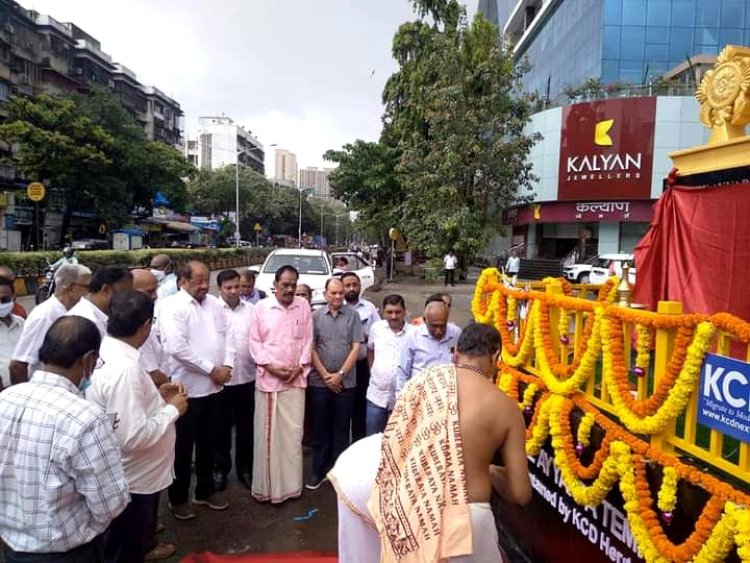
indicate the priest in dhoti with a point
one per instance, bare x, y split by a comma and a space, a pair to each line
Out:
421, 490
281, 336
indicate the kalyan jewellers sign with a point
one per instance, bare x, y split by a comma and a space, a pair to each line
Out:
607, 150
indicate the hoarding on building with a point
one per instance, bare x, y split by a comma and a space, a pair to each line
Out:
606, 150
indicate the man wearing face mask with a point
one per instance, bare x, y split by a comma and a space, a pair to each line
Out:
71, 283
11, 327
105, 283
144, 422
60, 468
162, 268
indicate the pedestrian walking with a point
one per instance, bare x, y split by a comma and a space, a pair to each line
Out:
61, 475
144, 423
450, 263
337, 337
384, 346
281, 337
200, 349
513, 266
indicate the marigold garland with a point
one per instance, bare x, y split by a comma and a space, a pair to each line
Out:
584, 429
620, 458
667, 497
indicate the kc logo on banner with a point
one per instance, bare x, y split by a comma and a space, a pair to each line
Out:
724, 396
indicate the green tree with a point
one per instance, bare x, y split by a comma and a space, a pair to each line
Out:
453, 152
94, 151
455, 110
366, 180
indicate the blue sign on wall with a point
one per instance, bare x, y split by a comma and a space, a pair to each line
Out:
724, 396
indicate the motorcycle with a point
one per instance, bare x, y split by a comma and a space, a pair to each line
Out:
47, 287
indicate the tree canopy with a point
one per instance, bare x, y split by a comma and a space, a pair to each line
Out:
453, 152
91, 148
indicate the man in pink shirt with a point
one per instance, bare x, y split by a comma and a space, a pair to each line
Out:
281, 334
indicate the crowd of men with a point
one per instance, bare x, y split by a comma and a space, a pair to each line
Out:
124, 382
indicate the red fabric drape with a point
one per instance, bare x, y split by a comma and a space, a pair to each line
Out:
697, 251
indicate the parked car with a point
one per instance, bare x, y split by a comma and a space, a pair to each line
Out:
611, 264
581, 272
90, 244
358, 265
314, 268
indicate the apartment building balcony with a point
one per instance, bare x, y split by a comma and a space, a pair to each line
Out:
49, 21
55, 63
84, 47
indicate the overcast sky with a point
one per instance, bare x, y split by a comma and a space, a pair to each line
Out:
294, 72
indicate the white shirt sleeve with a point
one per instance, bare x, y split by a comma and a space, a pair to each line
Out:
230, 346
128, 400
32, 336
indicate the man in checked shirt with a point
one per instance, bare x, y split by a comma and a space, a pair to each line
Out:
61, 476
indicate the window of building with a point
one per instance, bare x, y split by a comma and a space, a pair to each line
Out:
613, 12
707, 14
611, 42
4, 91
632, 42
634, 12
733, 13
658, 12
656, 53
683, 13
657, 35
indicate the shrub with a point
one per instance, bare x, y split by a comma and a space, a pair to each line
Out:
29, 264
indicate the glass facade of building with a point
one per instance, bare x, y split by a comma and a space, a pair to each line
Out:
633, 41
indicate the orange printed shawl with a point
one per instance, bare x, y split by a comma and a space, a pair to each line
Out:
420, 503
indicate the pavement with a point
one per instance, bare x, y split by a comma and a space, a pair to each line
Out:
305, 524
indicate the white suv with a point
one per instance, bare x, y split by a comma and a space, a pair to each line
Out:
314, 267
582, 273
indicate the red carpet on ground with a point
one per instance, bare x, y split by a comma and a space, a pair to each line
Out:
292, 557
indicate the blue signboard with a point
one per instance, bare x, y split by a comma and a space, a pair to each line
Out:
724, 396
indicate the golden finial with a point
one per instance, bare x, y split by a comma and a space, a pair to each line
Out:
624, 293
724, 94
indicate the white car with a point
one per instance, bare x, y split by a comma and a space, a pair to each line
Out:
611, 264
314, 267
581, 273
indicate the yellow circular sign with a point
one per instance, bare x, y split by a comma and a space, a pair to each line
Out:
394, 233
36, 191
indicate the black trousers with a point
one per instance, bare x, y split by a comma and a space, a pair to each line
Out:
332, 417
359, 416
131, 533
91, 552
197, 428
450, 277
236, 409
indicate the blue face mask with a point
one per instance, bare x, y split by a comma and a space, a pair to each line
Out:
84, 383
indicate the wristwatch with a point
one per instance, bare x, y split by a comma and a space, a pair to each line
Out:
341, 373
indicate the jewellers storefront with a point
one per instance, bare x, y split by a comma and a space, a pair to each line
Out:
600, 167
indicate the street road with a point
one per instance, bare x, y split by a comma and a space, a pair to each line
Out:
308, 523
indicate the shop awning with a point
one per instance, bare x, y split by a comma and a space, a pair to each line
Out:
181, 227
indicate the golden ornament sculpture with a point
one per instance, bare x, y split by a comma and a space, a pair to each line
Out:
724, 94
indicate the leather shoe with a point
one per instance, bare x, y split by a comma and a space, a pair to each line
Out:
246, 478
220, 480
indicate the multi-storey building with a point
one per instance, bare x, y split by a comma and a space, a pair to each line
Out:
311, 178
221, 142
41, 55
286, 166
604, 151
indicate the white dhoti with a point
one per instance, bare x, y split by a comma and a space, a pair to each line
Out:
277, 452
353, 478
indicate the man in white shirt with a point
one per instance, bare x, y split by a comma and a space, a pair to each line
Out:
237, 400
200, 349
163, 269
144, 423
384, 347
450, 262
368, 314
71, 283
513, 266
61, 476
104, 283
151, 351
10, 329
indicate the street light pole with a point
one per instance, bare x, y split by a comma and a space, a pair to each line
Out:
299, 226
237, 191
